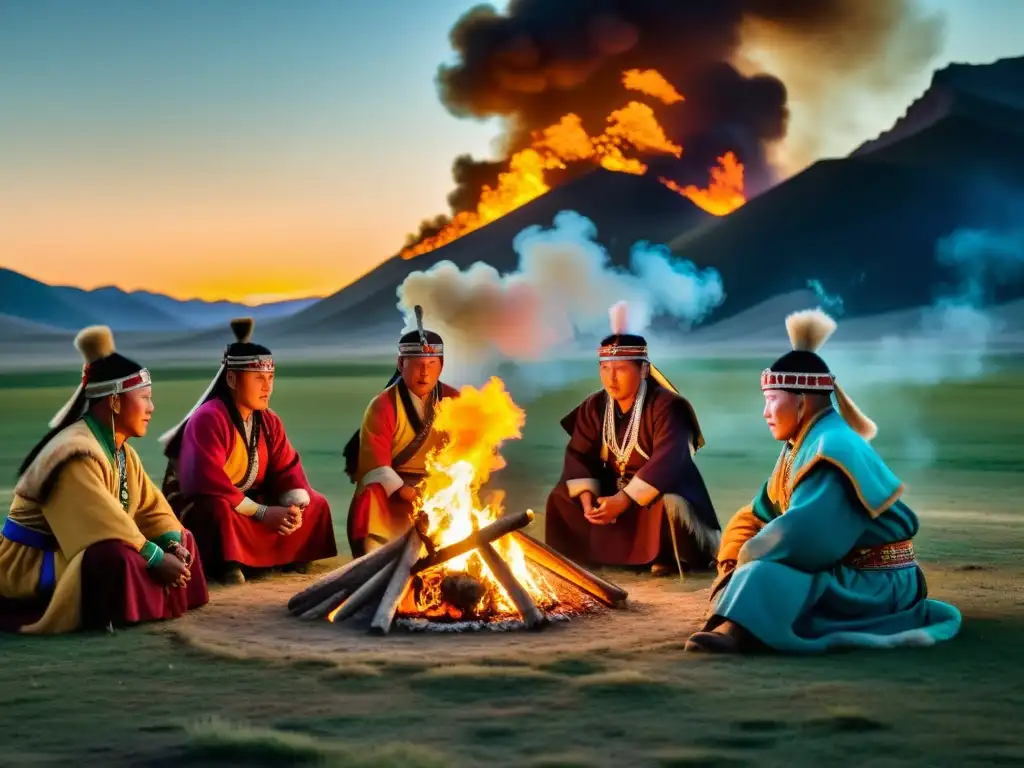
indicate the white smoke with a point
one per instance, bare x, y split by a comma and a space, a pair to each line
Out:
954, 339
830, 302
563, 288
956, 334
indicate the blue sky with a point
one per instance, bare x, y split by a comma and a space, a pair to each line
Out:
250, 147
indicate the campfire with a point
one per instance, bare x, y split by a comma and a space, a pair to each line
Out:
462, 564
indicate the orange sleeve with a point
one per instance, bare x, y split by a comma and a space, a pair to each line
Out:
743, 526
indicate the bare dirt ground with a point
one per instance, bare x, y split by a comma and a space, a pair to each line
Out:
660, 611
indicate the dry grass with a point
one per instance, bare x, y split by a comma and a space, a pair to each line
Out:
254, 745
616, 678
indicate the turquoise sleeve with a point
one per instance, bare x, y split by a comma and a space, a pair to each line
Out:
152, 554
820, 527
164, 539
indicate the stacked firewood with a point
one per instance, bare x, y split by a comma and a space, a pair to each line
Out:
384, 576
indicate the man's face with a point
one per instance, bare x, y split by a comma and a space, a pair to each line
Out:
420, 374
620, 378
252, 389
783, 411
134, 410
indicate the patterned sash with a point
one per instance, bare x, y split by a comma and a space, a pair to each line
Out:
422, 427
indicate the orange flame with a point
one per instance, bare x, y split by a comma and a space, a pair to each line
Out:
724, 194
633, 126
475, 423
651, 83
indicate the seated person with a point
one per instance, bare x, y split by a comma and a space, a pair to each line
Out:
630, 493
823, 557
89, 541
386, 458
235, 479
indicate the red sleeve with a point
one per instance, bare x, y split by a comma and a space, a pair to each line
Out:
284, 470
205, 446
377, 432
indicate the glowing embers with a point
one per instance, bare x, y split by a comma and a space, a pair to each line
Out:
406, 585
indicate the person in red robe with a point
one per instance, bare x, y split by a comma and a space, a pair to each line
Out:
89, 541
386, 458
630, 493
235, 478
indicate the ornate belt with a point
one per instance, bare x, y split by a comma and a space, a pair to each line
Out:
899, 554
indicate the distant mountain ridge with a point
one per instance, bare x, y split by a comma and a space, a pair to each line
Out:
62, 307
864, 227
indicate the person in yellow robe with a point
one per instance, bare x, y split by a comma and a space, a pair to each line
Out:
387, 457
90, 541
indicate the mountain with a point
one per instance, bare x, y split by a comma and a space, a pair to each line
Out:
866, 227
624, 207
67, 308
207, 314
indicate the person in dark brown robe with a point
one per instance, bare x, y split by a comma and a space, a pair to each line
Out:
630, 493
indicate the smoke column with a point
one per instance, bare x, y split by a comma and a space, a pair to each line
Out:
564, 286
538, 60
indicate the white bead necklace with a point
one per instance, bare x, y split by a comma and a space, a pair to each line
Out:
632, 436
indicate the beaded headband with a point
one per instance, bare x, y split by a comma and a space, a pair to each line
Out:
821, 382
136, 380
249, 363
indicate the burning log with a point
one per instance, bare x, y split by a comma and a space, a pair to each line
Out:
532, 616
401, 578
372, 587
543, 555
503, 525
464, 591
348, 577
325, 607
386, 575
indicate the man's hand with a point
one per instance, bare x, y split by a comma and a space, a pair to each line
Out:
587, 502
283, 520
609, 508
178, 550
408, 493
170, 571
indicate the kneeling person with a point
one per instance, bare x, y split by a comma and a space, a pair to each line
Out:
234, 477
386, 458
90, 541
823, 557
630, 493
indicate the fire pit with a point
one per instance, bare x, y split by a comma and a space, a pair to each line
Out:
461, 564
497, 578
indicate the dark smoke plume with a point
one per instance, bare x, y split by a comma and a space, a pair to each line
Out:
540, 59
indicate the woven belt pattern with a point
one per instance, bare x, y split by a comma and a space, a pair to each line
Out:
899, 554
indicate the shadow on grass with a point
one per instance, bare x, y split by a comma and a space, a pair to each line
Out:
478, 681
228, 743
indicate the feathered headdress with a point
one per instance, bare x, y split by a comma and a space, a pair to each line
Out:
803, 371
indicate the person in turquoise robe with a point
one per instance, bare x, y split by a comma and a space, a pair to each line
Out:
823, 557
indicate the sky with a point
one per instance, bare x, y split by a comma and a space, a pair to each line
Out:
256, 150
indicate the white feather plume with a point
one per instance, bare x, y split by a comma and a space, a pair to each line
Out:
809, 329
619, 316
